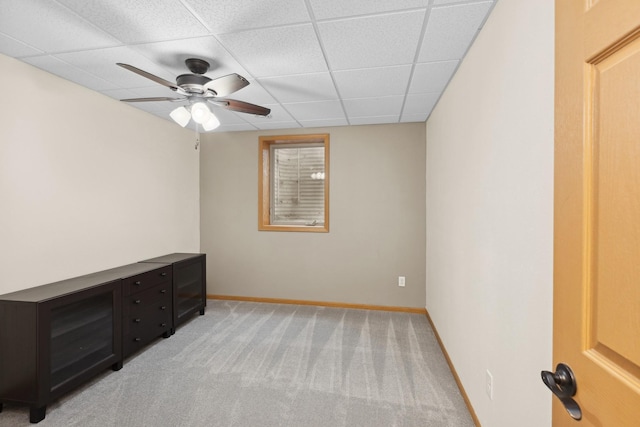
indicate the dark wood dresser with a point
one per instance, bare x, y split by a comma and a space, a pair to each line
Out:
55, 337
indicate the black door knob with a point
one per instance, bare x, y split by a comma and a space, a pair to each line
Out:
563, 384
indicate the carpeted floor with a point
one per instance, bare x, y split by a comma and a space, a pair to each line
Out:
254, 364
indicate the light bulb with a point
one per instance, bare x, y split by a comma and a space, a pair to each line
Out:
212, 123
181, 116
199, 112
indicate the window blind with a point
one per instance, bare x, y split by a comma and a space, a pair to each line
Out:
298, 185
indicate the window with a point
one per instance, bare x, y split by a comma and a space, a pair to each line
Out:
293, 183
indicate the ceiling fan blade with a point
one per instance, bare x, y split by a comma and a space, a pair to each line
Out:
241, 106
150, 76
223, 86
161, 98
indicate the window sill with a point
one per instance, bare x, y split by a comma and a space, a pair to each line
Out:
294, 228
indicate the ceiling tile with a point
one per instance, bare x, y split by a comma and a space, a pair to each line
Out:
278, 114
413, 118
254, 93
234, 127
368, 82
323, 123
51, 27
119, 94
378, 106
441, 2
373, 120
102, 63
324, 9
277, 51
375, 41
277, 125
228, 117
130, 21
172, 54
15, 48
69, 72
432, 76
224, 17
315, 110
451, 29
418, 103
301, 87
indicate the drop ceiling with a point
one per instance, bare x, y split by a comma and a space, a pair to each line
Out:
312, 62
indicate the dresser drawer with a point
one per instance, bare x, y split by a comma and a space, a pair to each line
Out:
141, 282
155, 299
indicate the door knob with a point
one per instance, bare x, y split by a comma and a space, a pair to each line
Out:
562, 383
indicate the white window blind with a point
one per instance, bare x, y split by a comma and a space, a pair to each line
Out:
297, 185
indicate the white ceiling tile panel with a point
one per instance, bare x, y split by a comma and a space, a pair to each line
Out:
432, 76
413, 118
15, 48
441, 2
50, 27
229, 16
278, 114
277, 51
102, 63
324, 9
120, 93
373, 120
315, 110
227, 116
172, 54
418, 103
130, 21
277, 125
451, 29
234, 127
69, 72
300, 87
366, 82
254, 93
323, 123
379, 106
375, 41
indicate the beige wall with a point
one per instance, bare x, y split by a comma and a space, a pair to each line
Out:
490, 215
86, 182
377, 229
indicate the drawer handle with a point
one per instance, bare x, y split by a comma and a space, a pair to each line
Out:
164, 307
137, 340
137, 301
137, 282
163, 274
162, 325
163, 291
136, 320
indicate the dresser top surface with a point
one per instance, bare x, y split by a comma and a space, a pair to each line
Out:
57, 289
171, 258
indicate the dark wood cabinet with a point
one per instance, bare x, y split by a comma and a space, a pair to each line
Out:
189, 283
55, 337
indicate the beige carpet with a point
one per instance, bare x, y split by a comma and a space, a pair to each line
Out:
253, 364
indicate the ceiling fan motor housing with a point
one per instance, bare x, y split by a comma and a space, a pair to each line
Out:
192, 83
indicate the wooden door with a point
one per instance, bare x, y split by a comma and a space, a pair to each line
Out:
597, 209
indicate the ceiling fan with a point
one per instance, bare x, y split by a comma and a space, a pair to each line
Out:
198, 90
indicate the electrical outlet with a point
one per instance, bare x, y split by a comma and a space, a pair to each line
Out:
401, 281
489, 385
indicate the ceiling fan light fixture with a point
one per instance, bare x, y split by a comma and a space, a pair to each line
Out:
200, 112
181, 116
212, 123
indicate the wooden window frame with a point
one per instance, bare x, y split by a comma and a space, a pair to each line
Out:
264, 180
